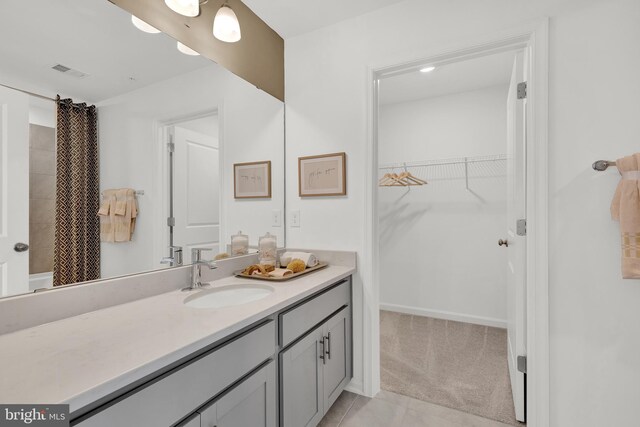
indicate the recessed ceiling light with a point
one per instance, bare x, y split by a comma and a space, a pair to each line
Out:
427, 69
143, 26
187, 50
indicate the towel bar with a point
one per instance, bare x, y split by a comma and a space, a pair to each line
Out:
138, 193
602, 165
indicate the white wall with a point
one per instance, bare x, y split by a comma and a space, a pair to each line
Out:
594, 110
438, 241
251, 125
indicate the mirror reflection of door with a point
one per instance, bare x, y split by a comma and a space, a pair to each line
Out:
14, 190
196, 185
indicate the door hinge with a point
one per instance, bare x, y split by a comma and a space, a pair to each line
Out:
171, 221
522, 90
521, 227
171, 147
522, 364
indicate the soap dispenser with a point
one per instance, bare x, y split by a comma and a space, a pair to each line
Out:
239, 244
267, 250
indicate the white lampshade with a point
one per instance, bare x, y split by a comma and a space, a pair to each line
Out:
143, 26
184, 7
187, 50
226, 26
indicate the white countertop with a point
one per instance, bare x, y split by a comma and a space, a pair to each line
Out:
81, 359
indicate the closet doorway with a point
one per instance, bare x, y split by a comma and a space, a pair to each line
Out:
452, 236
192, 181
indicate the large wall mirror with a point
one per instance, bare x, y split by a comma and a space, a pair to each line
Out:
137, 156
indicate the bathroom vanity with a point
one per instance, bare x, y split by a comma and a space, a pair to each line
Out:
281, 360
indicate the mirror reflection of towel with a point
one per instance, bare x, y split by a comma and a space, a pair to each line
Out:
625, 208
106, 214
118, 214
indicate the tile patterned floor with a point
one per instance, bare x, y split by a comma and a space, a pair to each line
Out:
389, 409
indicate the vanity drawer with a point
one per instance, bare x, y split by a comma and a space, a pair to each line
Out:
302, 318
165, 401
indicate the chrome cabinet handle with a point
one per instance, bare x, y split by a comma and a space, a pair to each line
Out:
504, 243
328, 341
21, 247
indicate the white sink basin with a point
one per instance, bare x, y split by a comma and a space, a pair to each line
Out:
227, 296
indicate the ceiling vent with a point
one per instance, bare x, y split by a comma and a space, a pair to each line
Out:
69, 71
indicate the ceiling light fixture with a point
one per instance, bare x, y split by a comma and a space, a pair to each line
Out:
188, 8
226, 27
427, 69
143, 26
187, 50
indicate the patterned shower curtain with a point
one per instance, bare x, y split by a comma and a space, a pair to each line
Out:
77, 230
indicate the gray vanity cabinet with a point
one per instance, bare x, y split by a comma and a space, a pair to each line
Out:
315, 370
287, 370
301, 384
336, 367
250, 403
192, 421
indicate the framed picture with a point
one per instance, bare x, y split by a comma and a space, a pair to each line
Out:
324, 175
252, 180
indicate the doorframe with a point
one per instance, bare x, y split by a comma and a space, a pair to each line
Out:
161, 170
535, 37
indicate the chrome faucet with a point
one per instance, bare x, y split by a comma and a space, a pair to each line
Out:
196, 268
175, 257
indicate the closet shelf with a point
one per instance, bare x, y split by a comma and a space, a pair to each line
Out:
452, 168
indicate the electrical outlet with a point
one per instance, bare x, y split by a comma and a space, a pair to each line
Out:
295, 218
276, 218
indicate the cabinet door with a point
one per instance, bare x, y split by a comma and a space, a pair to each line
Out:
301, 385
192, 421
337, 367
250, 403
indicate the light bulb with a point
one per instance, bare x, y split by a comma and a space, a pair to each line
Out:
187, 50
143, 26
226, 26
427, 69
189, 8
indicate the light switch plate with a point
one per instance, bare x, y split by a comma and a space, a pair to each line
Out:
276, 218
295, 218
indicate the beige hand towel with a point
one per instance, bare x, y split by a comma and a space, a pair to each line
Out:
107, 229
123, 222
625, 208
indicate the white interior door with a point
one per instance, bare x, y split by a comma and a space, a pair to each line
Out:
14, 191
516, 249
196, 199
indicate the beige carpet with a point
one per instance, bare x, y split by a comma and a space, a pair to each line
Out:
454, 364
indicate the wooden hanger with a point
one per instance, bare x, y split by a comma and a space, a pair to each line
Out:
391, 180
403, 180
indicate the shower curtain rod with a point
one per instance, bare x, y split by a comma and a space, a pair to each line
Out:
29, 93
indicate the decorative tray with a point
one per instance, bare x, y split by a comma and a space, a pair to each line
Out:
285, 278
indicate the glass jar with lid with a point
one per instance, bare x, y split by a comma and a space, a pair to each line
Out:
239, 244
267, 249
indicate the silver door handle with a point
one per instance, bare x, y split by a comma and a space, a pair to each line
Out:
324, 359
504, 243
328, 341
21, 247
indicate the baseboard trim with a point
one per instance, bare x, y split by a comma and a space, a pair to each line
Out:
446, 315
355, 387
